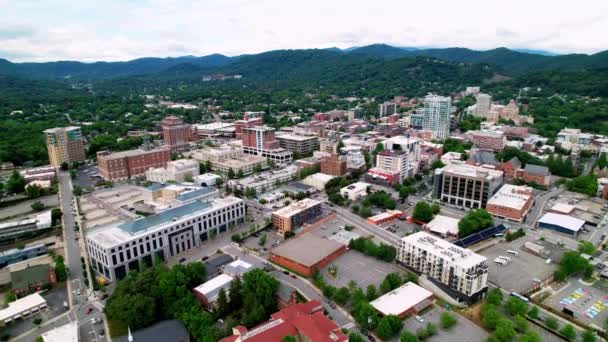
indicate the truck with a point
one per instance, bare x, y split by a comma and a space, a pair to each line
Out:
500, 261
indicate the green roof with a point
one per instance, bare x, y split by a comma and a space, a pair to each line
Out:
34, 274
146, 223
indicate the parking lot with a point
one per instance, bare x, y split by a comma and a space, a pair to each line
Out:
109, 205
522, 272
87, 176
359, 268
464, 331
253, 242
588, 303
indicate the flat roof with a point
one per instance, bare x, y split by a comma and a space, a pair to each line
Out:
168, 215
296, 207
186, 196
64, 333
237, 267
358, 186
22, 305
307, 249
562, 208
467, 170
401, 299
297, 137
511, 196
564, 221
445, 250
213, 125
211, 288
136, 152
443, 225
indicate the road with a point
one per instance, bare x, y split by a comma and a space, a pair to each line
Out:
381, 234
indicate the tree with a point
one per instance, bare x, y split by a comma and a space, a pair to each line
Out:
33, 191
288, 338
354, 337
568, 332
422, 212
494, 296
259, 300
77, 190
407, 336
230, 173
602, 161
533, 313
371, 293
222, 308
391, 281
240, 174
571, 263
586, 247
341, 295
65, 166
530, 336
504, 330
389, 326
235, 296
10, 297
366, 316
474, 221
551, 323
583, 184
437, 164
379, 148
516, 306
588, 336
447, 320
490, 316
188, 177
521, 324
431, 329
38, 206
15, 183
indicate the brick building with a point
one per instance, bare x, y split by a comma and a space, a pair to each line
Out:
334, 165
127, 164
488, 140
261, 141
176, 134
536, 174
510, 167
293, 216
246, 122
306, 253
511, 202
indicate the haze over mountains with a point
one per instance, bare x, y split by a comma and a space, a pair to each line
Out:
506, 61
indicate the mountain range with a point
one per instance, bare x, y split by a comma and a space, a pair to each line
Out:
506, 61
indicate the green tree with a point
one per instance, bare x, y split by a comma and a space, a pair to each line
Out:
551, 323
38, 206
354, 337
230, 173
34, 191
391, 281
474, 221
342, 295
77, 190
568, 332
222, 307
234, 294
422, 212
490, 316
494, 296
602, 161
533, 313
530, 336
516, 306
447, 320
388, 327
586, 247
258, 290
288, 338
504, 330
10, 297
370, 292
15, 183
521, 324
431, 329
65, 166
407, 336
588, 336
240, 174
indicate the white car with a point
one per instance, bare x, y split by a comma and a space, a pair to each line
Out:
419, 319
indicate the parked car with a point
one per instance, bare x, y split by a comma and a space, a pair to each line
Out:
419, 319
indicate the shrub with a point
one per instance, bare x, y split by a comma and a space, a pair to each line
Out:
552, 323
447, 320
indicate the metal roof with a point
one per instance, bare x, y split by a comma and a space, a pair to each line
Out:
186, 196
145, 223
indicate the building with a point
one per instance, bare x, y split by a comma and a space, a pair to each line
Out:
465, 185
385, 217
215, 130
444, 226
437, 110
64, 144
304, 321
510, 167
392, 167
226, 158
293, 216
163, 331
459, 272
22, 307
300, 145
207, 179
32, 278
306, 253
64, 333
408, 299
483, 105
162, 197
536, 174
208, 292
247, 121
265, 181
449, 157
417, 120
124, 165
318, 180
328, 145
10, 230
261, 141
561, 223
511, 202
355, 161
116, 249
488, 140
176, 134
182, 170
573, 136
386, 109
334, 165
355, 191
39, 173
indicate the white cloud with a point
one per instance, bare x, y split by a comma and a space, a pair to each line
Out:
119, 30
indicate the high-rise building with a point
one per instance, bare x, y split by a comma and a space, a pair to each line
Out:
483, 105
247, 121
261, 141
302, 145
399, 160
437, 116
334, 165
459, 272
176, 134
64, 144
466, 185
293, 216
387, 108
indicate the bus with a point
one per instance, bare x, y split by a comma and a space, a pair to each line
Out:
517, 295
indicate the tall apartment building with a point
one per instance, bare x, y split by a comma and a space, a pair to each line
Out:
64, 144
459, 272
261, 141
387, 108
119, 248
133, 163
488, 140
177, 171
437, 111
293, 216
399, 160
466, 185
176, 134
302, 145
334, 165
483, 105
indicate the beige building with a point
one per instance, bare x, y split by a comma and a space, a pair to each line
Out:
295, 215
64, 144
176, 171
226, 157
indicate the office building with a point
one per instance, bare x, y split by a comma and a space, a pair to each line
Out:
334, 165
300, 145
215, 130
488, 140
437, 110
483, 105
355, 191
265, 181
64, 333
293, 216
417, 120
64, 144
247, 121
261, 141
126, 164
328, 145
386, 109
459, 272
226, 158
182, 170
176, 134
116, 249
466, 185
511, 202
39, 174
443, 226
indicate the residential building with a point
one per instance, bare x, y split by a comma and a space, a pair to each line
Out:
39, 173
207, 293
407, 299
182, 170
304, 321
261, 141
417, 120
465, 185
64, 144
488, 140
511, 202
355, 161
176, 134
289, 218
536, 174
459, 272
116, 249
124, 165
226, 158
334, 165
437, 110
386, 109
355, 191
300, 145
265, 181
10, 230
215, 130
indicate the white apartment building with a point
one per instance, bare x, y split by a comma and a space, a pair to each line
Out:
459, 272
116, 249
437, 111
176, 171
355, 160
265, 181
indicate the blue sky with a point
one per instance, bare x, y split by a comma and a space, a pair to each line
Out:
111, 30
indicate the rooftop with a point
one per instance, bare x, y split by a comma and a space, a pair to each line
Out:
213, 125
164, 331
296, 207
444, 250
512, 196
537, 169
466, 170
443, 225
297, 137
307, 249
21, 305
64, 333
211, 288
132, 153
564, 221
401, 299
190, 195
145, 223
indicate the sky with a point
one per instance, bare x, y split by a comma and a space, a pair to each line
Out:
117, 30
